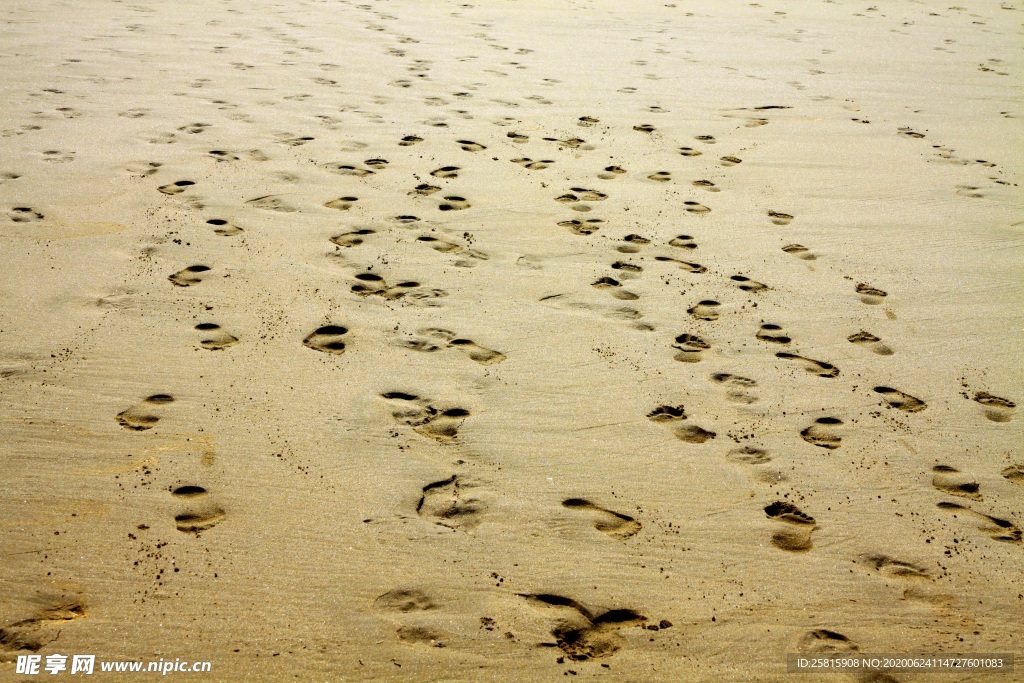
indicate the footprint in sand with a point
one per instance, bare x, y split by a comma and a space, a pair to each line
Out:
683, 265
736, 387
748, 285
214, 337
869, 295
823, 433
730, 161
691, 348
749, 455
24, 214
660, 176
1014, 473
900, 401
409, 140
689, 152
327, 339
800, 251
683, 242
613, 523
780, 218
342, 203
426, 420
200, 513
404, 600
615, 288
347, 169
186, 277
424, 190
815, 367
352, 238
672, 416
950, 480
870, 342
823, 641
517, 137
997, 529
371, 284
582, 634
32, 634
795, 536
470, 146
454, 203
446, 247
142, 416
446, 172
634, 243
431, 339
996, 409
448, 503
587, 227
893, 568
176, 187
224, 228
532, 165
705, 310
706, 185
611, 172
271, 203
696, 207
770, 332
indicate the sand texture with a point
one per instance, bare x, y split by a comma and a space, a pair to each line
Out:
510, 340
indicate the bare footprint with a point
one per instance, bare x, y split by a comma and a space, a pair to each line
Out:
142, 417
770, 332
214, 337
327, 339
872, 296
997, 529
684, 265
342, 203
176, 187
606, 521
447, 503
815, 367
189, 276
822, 433
200, 513
705, 310
893, 568
950, 480
691, 348
780, 218
748, 285
404, 600
271, 203
796, 535
1014, 473
900, 401
224, 228
871, 342
477, 353
749, 455
800, 251
672, 416
683, 242
996, 409
584, 635
32, 634
736, 387
352, 238
440, 425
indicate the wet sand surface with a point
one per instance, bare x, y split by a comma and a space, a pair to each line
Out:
441, 341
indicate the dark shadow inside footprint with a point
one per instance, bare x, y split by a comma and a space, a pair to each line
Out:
327, 339
606, 521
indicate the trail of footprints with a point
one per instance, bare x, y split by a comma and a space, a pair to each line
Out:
458, 502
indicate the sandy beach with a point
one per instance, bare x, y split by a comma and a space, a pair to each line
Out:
516, 340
